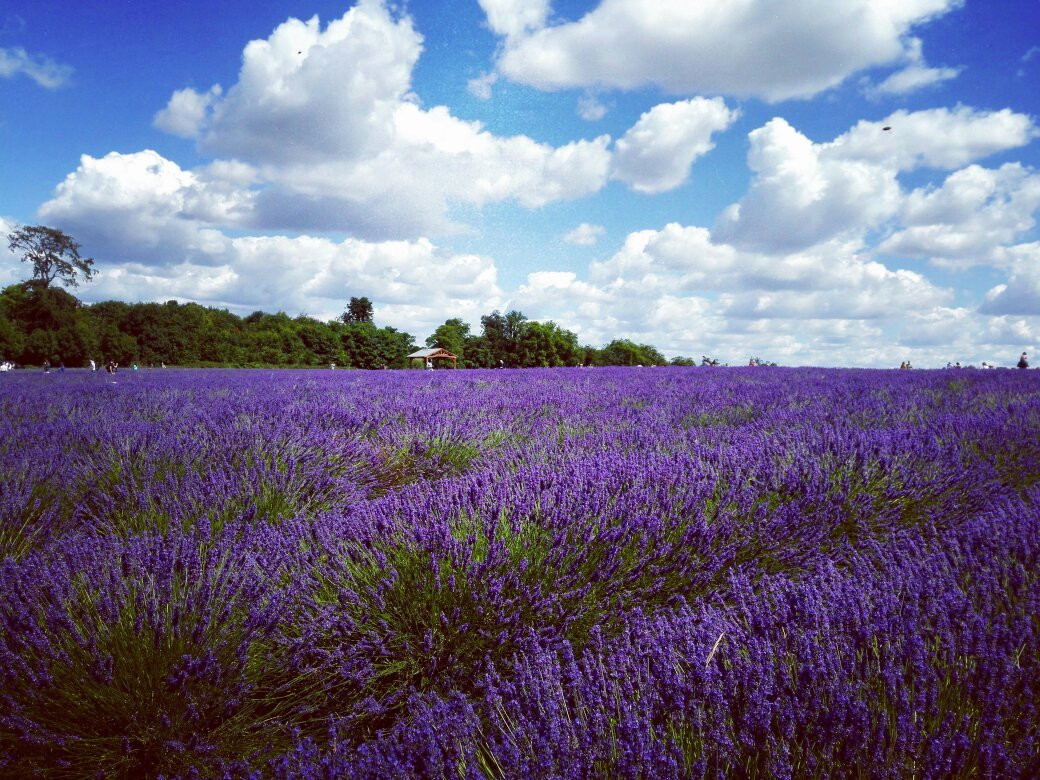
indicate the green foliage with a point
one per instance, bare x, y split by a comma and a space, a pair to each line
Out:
12, 342
452, 336
546, 344
503, 334
144, 709
622, 352
358, 310
366, 346
40, 323
435, 619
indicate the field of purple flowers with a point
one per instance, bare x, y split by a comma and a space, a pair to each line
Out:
677, 572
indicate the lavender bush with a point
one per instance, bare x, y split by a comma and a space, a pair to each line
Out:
678, 572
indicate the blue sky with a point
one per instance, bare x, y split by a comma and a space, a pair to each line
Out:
711, 177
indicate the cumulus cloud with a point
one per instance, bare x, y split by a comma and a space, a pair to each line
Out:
43, 70
411, 283
758, 48
688, 293
803, 193
514, 17
656, 153
828, 279
949, 334
163, 232
327, 118
186, 111
1021, 294
311, 93
144, 208
585, 234
974, 212
940, 138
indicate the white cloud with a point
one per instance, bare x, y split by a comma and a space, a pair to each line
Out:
756, 48
950, 335
974, 212
142, 207
656, 153
327, 119
801, 195
683, 291
934, 138
585, 234
411, 283
160, 232
186, 111
1021, 294
43, 70
590, 108
514, 17
817, 283
480, 87
916, 75
310, 94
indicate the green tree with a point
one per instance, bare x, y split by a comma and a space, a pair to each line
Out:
53, 324
548, 345
477, 353
367, 346
220, 337
451, 336
320, 340
394, 347
623, 352
358, 310
12, 342
588, 355
503, 334
54, 255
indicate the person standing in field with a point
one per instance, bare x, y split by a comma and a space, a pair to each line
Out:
1022, 362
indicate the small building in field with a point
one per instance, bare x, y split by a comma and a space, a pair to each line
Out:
432, 354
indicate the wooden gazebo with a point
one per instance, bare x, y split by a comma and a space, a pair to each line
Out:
435, 353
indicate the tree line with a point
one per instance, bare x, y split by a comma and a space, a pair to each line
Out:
40, 322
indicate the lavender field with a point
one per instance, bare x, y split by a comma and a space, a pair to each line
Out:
677, 572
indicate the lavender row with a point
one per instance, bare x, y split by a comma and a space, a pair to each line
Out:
322, 567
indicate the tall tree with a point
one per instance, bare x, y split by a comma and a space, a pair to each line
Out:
623, 352
503, 334
358, 310
548, 345
53, 254
450, 336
